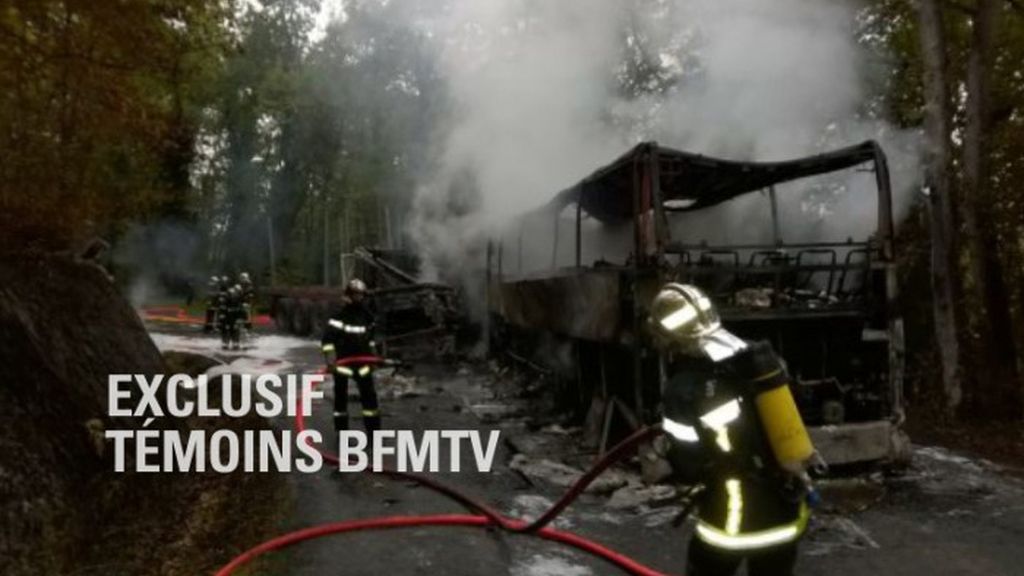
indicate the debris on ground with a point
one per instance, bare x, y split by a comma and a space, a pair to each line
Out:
833, 533
528, 507
634, 496
551, 564
850, 495
558, 429
654, 465
563, 475
661, 516
494, 413
391, 387
535, 445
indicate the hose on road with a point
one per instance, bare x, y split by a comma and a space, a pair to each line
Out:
485, 516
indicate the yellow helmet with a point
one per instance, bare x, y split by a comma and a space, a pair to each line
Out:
683, 315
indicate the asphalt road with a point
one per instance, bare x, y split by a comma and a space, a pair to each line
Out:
946, 515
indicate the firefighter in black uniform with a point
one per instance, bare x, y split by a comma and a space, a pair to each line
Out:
230, 316
349, 332
248, 298
728, 407
213, 297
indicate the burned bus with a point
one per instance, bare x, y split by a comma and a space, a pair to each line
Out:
797, 252
417, 319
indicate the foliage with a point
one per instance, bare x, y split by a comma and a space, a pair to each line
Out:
319, 143
96, 111
279, 148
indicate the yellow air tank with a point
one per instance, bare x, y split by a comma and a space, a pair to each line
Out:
784, 427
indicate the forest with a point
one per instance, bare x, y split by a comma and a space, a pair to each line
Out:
273, 136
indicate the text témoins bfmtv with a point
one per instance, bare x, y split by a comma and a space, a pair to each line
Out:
175, 448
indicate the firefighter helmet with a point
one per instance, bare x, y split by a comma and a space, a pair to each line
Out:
355, 286
684, 317
243, 278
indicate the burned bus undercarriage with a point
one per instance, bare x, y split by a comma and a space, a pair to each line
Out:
825, 304
416, 319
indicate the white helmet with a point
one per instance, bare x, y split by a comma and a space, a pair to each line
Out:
355, 286
683, 315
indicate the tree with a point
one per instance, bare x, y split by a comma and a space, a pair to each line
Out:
943, 229
997, 392
94, 111
258, 98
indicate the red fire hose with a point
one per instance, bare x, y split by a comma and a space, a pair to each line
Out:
485, 515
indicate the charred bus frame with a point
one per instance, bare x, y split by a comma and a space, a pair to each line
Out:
843, 340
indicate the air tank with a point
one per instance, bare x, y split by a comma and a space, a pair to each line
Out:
784, 428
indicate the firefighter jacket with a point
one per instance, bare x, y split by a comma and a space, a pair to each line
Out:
248, 292
230, 309
749, 502
349, 331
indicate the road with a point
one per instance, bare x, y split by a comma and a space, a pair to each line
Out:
946, 515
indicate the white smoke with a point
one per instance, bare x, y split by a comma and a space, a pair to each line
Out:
531, 82
538, 104
773, 76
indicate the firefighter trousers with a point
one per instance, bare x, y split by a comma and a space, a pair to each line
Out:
230, 333
367, 398
705, 560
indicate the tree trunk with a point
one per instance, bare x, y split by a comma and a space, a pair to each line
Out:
178, 151
937, 182
996, 392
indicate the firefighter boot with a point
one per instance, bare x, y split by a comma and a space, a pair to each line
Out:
368, 399
371, 421
340, 421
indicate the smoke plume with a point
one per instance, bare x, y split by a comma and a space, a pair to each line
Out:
539, 103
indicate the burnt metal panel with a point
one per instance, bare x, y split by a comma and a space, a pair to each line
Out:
417, 319
860, 442
703, 180
582, 304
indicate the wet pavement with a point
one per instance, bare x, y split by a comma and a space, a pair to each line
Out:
945, 515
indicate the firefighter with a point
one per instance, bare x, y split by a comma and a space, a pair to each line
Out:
349, 332
248, 296
728, 407
213, 292
230, 317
